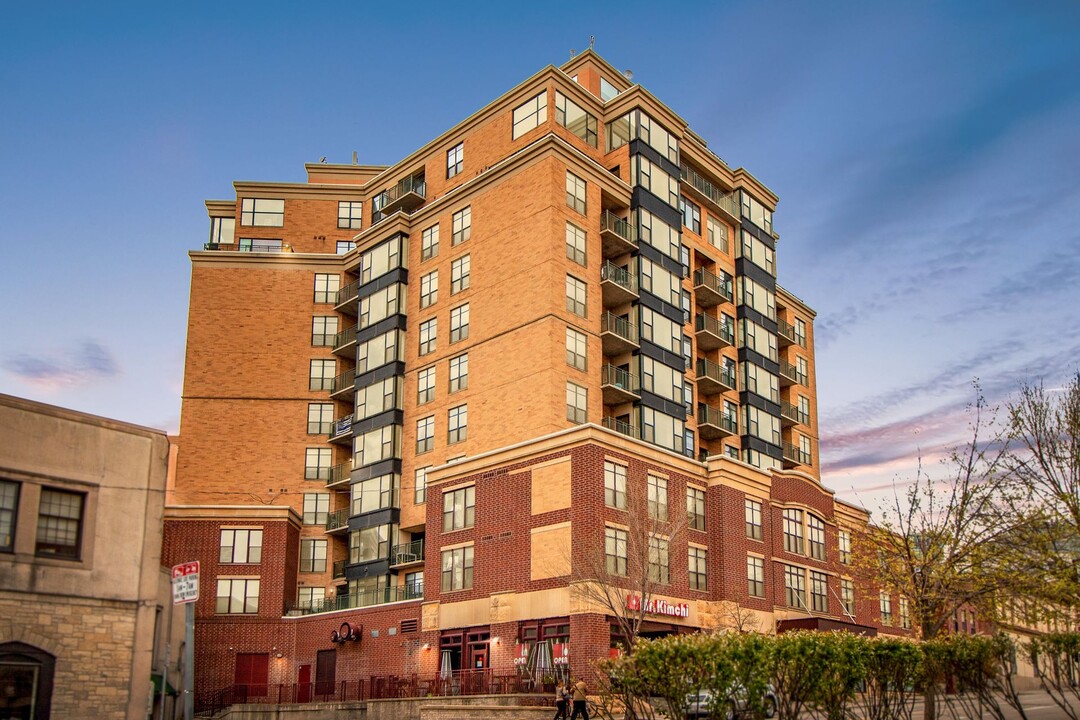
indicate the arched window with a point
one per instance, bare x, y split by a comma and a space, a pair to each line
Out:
26, 681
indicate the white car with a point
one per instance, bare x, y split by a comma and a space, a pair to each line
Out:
701, 705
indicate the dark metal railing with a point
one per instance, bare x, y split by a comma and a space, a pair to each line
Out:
619, 326
620, 276
611, 222
794, 412
621, 426
337, 519
724, 200
714, 416
409, 552
623, 379
723, 329
723, 375
719, 284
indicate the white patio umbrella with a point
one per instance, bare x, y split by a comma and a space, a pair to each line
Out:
545, 665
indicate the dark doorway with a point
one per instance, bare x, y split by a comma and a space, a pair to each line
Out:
303, 684
325, 672
252, 674
26, 681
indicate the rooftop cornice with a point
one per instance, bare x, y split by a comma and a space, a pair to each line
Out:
792, 299
618, 80
310, 191
40, 408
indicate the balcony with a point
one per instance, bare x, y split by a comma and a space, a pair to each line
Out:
339, 474
713, 333
794, 455
348, 299
617, 284
343, 385
790, 375
786, 332
706, 190
617, 235
407, 195
619, 385
710, 289
345, 342
617, 334
398, 593
341, 431
790, 414
715, 423
621, 426
713, 378
339, 570
407, 554
337, 521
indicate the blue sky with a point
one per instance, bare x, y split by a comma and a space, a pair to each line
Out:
927, 157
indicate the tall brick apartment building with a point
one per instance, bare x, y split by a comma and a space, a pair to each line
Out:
413, 392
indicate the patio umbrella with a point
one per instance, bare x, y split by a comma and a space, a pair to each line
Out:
545, 665
446, 669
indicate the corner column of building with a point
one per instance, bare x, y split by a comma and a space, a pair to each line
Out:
590, 638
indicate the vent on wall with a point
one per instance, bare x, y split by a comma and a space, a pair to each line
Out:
409, 626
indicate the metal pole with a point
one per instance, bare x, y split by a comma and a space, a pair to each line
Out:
189, 661
165, 661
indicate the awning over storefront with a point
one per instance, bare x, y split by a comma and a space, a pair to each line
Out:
824, 625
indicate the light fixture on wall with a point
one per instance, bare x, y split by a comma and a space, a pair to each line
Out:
425, 647
496, 641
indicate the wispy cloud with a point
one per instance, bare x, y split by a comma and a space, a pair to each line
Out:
89, 361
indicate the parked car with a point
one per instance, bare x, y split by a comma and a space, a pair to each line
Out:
701, 705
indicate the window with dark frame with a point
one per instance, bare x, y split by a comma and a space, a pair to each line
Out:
455, 160
60, 524
349, 214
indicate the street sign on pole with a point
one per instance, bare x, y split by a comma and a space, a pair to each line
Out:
185, 582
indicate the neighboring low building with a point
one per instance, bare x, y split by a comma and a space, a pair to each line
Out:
83, 596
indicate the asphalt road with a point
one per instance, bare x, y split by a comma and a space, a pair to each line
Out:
1037, 705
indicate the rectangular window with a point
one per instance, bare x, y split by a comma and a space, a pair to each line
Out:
662, 429
760, 381
320, 419
455, 160
755, 576
321, 374
312, 555
718, 235
756, 212
429, 243
378, 398
459, 373
802, 371
237, 596
905, 614
380, 305
819, 592
381, 259
371, 543
758, 339
377, 445
428, 336
653, 178
800, 332
691, 214
530, 114
844, 541
607, 90
885, 605
420, 488
457, 569
59, 526
657, 493
661, 330
695, 508
459, 508
615, 541
429, 289
847, 597
577, 403
378, 351
575, 192
310, 597
657, 137
698, 565
748, 292
459, 323
576, 344
659, 234
795, 587
349, 214
459, 274
757, 252
316, 508
615, 485
575, 295
458, 424
316, 464
753, 519
793, 531
9, 505
241, 546
659, 567
574, 118
323, 330
462, 226
222, 231
377, 493
262, 212
425, 386
575, 243
342, 247
815, 531
425, 434
326, 288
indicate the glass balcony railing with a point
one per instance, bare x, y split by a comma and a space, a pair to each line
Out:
397, 593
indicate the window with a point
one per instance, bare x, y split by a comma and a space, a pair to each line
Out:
377, 493
459, 323
662, 429
459, 274
316, 508
222, 230
615, 550
240, 545
320, 419
459, 508
755, 576
342, 247
805, 456
575, 119
698, 565
420, 488
847, 597
575, 295
457, 569
794, 587
691, 214
757, 252
659, 570
793, 531
577, 403
9, 504
429, 288
455, 159
657, 136
819, 591
615, 485
885, 604
425, 434
381, 259
237, 596
718, 235
459, 424
575, 192
756, 212
695, 508
815, 530
576, 344
607, 90
757, 296
462, 226
905, 614
575, 243
316, 464
844, 541
323, 330
371, 543
379, 351
321, 375
326, 287
429, 243
377, 445
657, 493
425, 386
802, 371
800, 332
753, 519
349, 214
428, 332
310, 597
653, 178
59, 526
262, 212
459, 373
312, 555
378, 398
530, 114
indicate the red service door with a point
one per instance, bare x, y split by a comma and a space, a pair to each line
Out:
303, 684
252, 674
